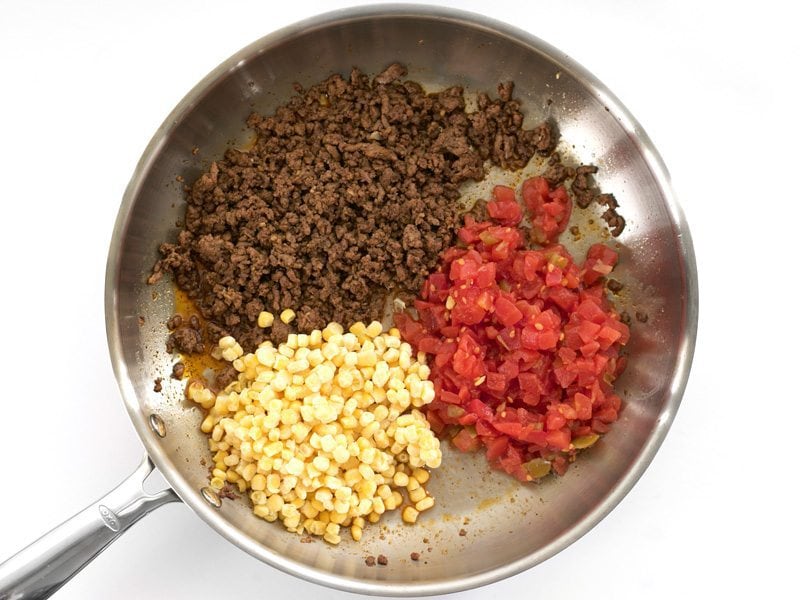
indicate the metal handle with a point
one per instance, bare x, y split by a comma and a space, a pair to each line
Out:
43, 567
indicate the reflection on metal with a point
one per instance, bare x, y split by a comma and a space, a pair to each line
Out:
210, 496
157, 425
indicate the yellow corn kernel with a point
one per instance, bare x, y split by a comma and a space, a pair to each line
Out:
317, 429
374, 329
338, 518
400, 479
356, 532
424, 504
417, 495
378, 505
410, 514
208, 424
287, 315
358, 329
421, 475
367, 358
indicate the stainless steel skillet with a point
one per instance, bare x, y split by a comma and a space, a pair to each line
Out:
510, 527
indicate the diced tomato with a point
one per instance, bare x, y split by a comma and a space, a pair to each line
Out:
533, 435
607, 415
529, 382
591, 311
600, 260
547, 339
467, 314
587, 331
555, 420
496, 447
590, 348
495, 382
429, 344
480, 409
504, 208
486, 275
583, 406
503, 193
550, 209
559, 439
513, 430
449, 397
565, 298
523, 344
466, 441
506, 311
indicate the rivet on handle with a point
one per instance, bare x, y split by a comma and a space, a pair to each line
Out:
211, 497
157, 425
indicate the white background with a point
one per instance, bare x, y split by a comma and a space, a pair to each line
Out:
84, 85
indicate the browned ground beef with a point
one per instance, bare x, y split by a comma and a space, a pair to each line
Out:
349, 193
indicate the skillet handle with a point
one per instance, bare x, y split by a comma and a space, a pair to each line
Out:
43, 567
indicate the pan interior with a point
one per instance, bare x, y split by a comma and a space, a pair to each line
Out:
508, 526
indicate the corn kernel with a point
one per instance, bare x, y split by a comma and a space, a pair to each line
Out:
421, 475
374, 329
417, 495
287, 315
358, 329
317, 428
424, 504
400, 479
410, 514
356, 532
378, 505
265, 319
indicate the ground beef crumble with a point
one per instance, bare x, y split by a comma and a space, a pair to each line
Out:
348, 194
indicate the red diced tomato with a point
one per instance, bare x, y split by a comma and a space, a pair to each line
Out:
603, 253
482, 410
495, 448
607, 415
466, 441
588, 330
467, 314
504, 208
547, 340
506, 311
559, 439
555, 420
533, 435
591, 311
496, 382
511, 429
503, 193
607, 336
429, 344
486, 275
524, 344
449, 397
590, 348
583, 406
